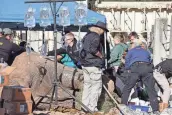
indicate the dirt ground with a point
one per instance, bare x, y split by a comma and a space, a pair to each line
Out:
112, 111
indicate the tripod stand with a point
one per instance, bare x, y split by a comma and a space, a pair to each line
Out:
56, 82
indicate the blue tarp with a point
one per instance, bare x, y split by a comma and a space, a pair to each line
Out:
14, 11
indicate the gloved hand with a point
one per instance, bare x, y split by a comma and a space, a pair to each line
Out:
78, 63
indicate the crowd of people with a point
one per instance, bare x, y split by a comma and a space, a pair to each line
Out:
131, 64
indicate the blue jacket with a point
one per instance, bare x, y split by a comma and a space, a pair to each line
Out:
67, 61
135, 55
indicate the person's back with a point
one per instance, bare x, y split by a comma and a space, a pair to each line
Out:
137, 54
91, 45
117, 53
5, 48
138, 63
166, 67
9, 50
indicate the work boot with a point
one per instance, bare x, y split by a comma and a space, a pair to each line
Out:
165, 105
111, 87
156, 113
162, 106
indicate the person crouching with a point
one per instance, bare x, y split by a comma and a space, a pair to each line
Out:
138, 63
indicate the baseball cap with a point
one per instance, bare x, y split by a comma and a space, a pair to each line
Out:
7, 31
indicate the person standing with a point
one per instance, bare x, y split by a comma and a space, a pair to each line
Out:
138, 63
117, 52
116, 59
71, 46
162, 72
7, 48
161, 79
163, 83
92, 64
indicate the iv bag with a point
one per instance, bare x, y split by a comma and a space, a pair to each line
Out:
44, 17
81, 14
64, 16
29, 20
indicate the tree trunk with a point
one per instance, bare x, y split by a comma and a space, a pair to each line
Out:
37, 73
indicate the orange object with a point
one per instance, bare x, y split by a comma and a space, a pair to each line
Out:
4, 75
162, 106
13, 108
16, 93
8, 70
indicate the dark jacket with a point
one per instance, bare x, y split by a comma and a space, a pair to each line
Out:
8, 48
165, 67
23, 44
73, 52
137, 54
59, 52
91, 45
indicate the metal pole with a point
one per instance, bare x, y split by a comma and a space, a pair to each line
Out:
55, 47
158, 50
43, 36
134, 18
113, 99
79, 35
170, 56
118, 18
55, 57
123, 13
21, 38
105, 37
26, 35
60, 85
156, 44
145, 29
